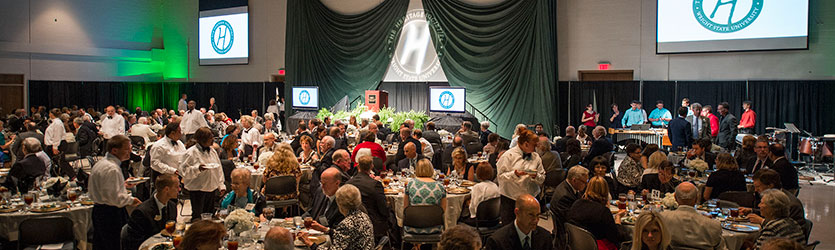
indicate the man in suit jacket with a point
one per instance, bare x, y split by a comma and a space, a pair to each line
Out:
84, 136
467, 134
570, 133
566, 194
688, 228
149, 218
405, 138
727, 128
410, 162
373, 197
485, 132
550, 160
324, 208
431, 135
700, 124
788, 174
680, 130
701, 150
23, 172
325, 162
31, 131
762, 161
600, 146
523, 233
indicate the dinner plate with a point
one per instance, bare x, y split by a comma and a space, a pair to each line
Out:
49, 208
211, 166
9, 209
391, 191
161, 246
467, 183
137, 180
458, 190
739, 227
315, 239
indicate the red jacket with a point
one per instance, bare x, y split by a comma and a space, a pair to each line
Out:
376, 150
714, 125
749, 118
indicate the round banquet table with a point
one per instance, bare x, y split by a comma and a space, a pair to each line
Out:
80, 216
257, 178
262, 232
453, 210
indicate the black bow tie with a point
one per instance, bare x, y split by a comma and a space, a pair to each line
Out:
173, 143
527, 156
205, 149
109, 117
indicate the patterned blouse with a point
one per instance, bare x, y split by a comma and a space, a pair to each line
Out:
354, 232
282, 170
424, 193
629, 173
781, 228
308, 159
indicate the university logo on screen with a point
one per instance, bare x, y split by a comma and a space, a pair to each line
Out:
726, 16
304, 97
446, 100
222, 37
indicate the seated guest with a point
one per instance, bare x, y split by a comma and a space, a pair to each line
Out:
701, 150
550, 160
788, 173
460, 167
568, 192
406, 137
630, 171
354, 232
229, 147
282, 163
368, 139
411, 159
573, 154
651, 169
653, 234
150, 217
342, 162
423, 190
460, 237
492, 143
482, 191
457, 142
523, 233
726, 178
203, 235
775, 208
762, 161
241, 194
428, 151
746, 157
600, 166
143, 129
265, 151
559, 145
467, 134
582, 135
323, 208
769, 179
373, 198
600, 144
307, 154
781, 244
648, 151
278, 238
663, 181
591, 213
85, 134
516, 132
688, 228
23, 173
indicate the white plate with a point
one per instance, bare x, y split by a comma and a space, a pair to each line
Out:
211, 166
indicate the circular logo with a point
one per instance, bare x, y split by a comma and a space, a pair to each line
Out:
304, 97
415, 59
726, 16
446, 100
222, 37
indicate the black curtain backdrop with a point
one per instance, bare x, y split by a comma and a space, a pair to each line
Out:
230, 97
342, 54
601, 95
405, 96
653, 91
713, 93
807, 104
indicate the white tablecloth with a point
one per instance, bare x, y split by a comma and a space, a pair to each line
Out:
257, 179
80, 216
453, 210
262, 231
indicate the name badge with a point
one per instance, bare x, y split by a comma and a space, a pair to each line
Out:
158, 217
249, 206
656, 194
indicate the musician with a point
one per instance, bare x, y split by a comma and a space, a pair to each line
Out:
634, 115
617, 116
748, 119
685, 102
660, 117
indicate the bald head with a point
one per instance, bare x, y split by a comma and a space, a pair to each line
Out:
687, 194
330, 180
526, 202
570, 132
241, 173
410, 150
278, 238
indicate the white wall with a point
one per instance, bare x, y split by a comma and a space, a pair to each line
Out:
623, 33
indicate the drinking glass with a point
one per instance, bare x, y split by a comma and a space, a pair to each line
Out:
269, 213
72, 195
29, 198
206, 216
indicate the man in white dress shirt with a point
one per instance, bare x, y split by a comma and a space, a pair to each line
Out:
250, 138
520, 172
54, 133
202, 174
192, 120
143, 128
166, 153
111, 124
181, 104
108, 191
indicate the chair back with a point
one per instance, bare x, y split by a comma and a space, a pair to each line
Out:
435, 146
72, 148
280, 185
742, 198
45, 230
377, 164
807, 229
423, 216
811, 246
488, 210
579, 238
137, 141
554, 177
383, 241
473, 147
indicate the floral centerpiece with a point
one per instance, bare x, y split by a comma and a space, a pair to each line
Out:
239, 221
669, 201
698, 164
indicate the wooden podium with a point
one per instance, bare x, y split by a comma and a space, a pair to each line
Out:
376, 99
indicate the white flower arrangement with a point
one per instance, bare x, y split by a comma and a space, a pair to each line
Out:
669, 201
698, 164
239, 221
52, 180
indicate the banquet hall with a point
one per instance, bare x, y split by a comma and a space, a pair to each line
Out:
417, 124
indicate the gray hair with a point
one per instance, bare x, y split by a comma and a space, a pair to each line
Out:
686, 197
777, 201
142, 120
696, 106
278, 238
78, 120
485, 124
269, 116
31, 145
348, 198
328, 140
86, 118
576, 172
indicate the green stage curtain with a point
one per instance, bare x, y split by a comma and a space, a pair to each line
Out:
342, 54
504, 54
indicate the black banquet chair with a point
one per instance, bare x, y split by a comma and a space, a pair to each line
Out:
34, 232
422, 216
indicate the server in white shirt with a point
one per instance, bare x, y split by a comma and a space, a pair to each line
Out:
166, 153
250, 138
143, 129
108, 189
202, 174
54, 133
192, 120
111, 124
520, 172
